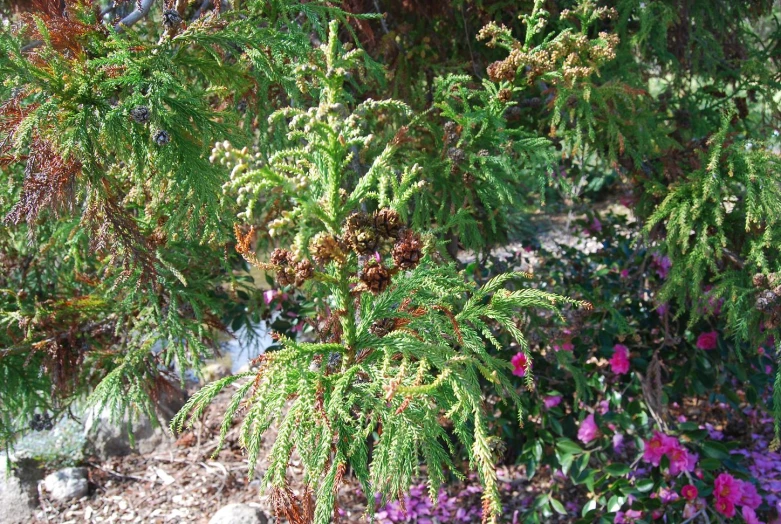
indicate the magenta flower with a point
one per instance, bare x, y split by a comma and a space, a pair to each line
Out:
689, 492
725, 487
656, 447
588, 429
520, 364
619, 363
707, 340
681, 459
624, 273
725, 506
551, 401
749, 496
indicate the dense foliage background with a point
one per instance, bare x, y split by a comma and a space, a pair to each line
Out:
387, 176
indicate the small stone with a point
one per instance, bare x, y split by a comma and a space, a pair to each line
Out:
67, 484
239, 514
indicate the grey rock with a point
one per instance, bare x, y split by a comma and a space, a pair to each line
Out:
18, 490
67, 484
110, 438
239, 514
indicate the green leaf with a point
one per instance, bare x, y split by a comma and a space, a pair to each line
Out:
590, 506
715, 450
617, 470
568, 446
615, 503
557, 506
709, 464
645, 485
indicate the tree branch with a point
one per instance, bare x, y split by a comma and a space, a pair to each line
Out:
142, 9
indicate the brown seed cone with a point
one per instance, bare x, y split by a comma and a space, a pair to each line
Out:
408, 250
387, 223
456, 154
286, 276
505, 95
281, 257
325, 248
501, 70
767, 300
760, 280
360, 234
375, 277
452, 132
383, 326
303, 272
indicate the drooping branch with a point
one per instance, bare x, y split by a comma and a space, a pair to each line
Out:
141, 10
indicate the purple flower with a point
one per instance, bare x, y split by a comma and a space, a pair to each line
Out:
661, 264
618, 442
551, 401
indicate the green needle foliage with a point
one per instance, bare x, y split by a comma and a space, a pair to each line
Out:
403, 339
108, 130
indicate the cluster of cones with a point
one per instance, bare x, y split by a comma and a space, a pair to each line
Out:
769, 298
370, 236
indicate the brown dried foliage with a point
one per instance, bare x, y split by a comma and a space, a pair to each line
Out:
116, 232
287, 505
65, 32
48, 182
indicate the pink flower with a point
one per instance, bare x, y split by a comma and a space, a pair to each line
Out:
749, 496
551, 401
655, 448
619, 363
520, 364
750, 516
725, 506
269, 295
681, 459
588, 429
727, 488
689, 492
565, 346
624, 273
707, 340
630, 516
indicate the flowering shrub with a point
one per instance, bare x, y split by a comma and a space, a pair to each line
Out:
633, 401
